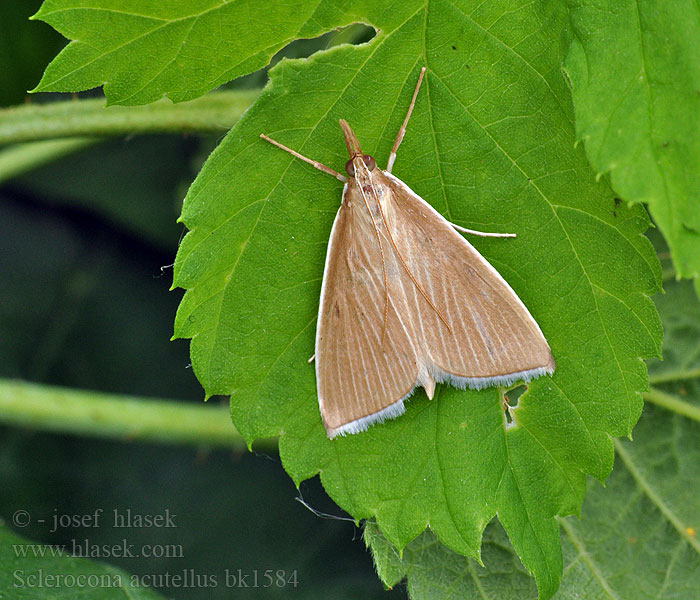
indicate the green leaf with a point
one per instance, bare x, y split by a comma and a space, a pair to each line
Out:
637, 537
34, 570
633, 537
434, 571
633, 68
23, 53
491, 146
141, 50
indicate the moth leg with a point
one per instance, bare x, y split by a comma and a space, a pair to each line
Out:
313, 356
482, 233
402, 131
314, 163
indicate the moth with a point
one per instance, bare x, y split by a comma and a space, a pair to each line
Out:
406, 301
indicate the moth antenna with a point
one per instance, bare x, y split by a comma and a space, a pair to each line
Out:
313, 163
402, 130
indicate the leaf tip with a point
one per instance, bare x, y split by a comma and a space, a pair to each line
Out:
109, 101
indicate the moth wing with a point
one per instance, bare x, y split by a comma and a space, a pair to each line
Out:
492, 339
360, 377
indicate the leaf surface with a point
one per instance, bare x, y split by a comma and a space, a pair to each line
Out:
491, 146
141, 50
635, 79
636, 538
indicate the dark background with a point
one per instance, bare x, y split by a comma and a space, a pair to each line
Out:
85, 304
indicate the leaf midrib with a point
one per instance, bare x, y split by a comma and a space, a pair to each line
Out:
647, 489
654, 497
588, 559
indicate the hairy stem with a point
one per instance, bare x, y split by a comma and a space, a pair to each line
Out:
672, 403
671, 376
126, 418
213, 113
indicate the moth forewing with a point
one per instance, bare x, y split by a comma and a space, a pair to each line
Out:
365, 360
493, 339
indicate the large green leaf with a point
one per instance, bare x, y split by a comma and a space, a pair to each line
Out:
634, 75
490, 145
636, 538
141, 50
433, 571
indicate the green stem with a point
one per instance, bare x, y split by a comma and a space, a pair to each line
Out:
672, 376
126, 418
25, 157
672, 403
213, 113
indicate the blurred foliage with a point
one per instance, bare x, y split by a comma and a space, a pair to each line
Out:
25, 49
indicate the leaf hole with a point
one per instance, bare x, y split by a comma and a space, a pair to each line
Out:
510, 400
512, 396
355, 34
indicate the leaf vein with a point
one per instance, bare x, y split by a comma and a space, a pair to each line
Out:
588, 559
655, 498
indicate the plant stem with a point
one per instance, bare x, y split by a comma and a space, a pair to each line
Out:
671, 376
126, 418
672, 403
25, 157
212, 113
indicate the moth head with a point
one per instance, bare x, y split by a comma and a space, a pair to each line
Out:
365, 158
359, 165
